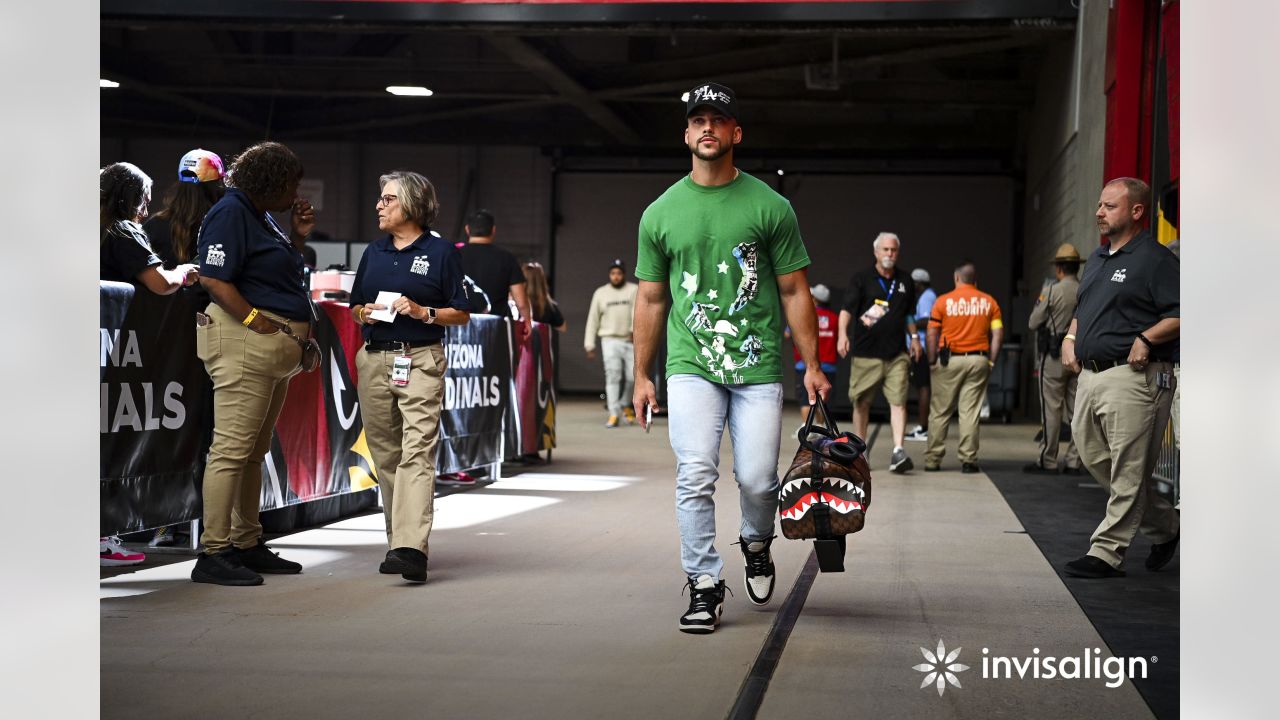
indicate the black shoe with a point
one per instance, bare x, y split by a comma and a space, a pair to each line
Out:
1073, 471
1091, 567
970, 468
1036, 468
413, 563
706, 601
932, 468
758, 575
259, 558
391, 565
1162, 553
223, 568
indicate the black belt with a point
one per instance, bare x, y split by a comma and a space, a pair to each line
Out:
971, 352
385, 345
1103, 365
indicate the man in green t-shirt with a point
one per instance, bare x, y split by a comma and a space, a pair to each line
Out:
726, 249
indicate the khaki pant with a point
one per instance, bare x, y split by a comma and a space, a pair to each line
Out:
1057, 402
402, 426
250, 374
1120, 418
961, 384
867, 374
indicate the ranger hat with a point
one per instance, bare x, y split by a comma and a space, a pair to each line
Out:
1067, 253
713, 95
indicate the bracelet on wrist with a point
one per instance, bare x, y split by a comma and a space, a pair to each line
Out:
248, 320
1145, 341
1070, 337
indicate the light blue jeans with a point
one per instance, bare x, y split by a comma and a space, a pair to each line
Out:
697, 410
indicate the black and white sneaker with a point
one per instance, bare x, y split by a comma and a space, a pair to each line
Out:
758, 575
706, 601
899, 462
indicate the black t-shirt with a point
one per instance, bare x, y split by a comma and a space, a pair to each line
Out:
887, 337
552, 316
1124, 294
162, 241
125, 252
492, 271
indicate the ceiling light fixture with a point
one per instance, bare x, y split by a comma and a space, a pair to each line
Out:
414, 90
105, 83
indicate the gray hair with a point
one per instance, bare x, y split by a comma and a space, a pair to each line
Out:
417, 196
875, 244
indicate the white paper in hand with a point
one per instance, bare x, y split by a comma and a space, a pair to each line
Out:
385, 298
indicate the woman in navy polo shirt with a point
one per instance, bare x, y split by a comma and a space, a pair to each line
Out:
402, 366
253, 272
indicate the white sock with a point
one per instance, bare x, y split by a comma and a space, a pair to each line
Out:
896, 448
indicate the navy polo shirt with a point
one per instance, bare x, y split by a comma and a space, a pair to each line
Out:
243, 246
1123, 294
428, 271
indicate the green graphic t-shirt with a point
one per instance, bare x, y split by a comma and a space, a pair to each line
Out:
719, 249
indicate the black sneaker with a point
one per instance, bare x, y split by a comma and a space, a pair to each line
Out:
1162, 553
413, 563
758, 575
706, 601
1077, 471
223, 568
970, 468
1092, 567
899, 462
259, 558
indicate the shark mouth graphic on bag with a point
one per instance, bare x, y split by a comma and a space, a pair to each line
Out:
797, 496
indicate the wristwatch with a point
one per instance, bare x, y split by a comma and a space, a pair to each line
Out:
431, 316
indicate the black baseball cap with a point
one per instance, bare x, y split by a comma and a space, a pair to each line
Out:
617, 263
712, 95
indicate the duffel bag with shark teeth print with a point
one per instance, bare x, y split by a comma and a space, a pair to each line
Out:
826, 492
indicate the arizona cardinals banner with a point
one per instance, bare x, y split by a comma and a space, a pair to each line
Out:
477, 393
156, 410
153, 403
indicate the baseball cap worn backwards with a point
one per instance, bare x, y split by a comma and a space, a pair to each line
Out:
713, 95
199, 166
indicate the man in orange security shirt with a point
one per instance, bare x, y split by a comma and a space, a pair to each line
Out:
961, 356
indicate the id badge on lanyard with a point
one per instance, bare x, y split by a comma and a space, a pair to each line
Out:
400, 370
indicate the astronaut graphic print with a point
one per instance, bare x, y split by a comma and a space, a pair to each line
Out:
720, 250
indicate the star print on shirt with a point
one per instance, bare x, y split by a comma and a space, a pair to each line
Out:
690, 284
712, 294
723, 267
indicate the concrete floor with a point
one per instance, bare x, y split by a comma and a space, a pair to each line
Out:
555, 593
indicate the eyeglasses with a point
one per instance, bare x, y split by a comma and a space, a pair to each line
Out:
386, 200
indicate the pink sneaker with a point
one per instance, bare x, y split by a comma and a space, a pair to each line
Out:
459, 478
113, 553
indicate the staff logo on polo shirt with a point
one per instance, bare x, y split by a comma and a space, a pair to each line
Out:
420, 265
215, 256
1119, 275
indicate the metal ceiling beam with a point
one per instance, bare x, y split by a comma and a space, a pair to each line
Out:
414, 119
212, 111
574, 93
893, 57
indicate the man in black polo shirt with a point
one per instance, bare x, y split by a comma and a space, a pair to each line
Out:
1122, 342
879, 310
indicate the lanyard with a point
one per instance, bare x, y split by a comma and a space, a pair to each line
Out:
888, 290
